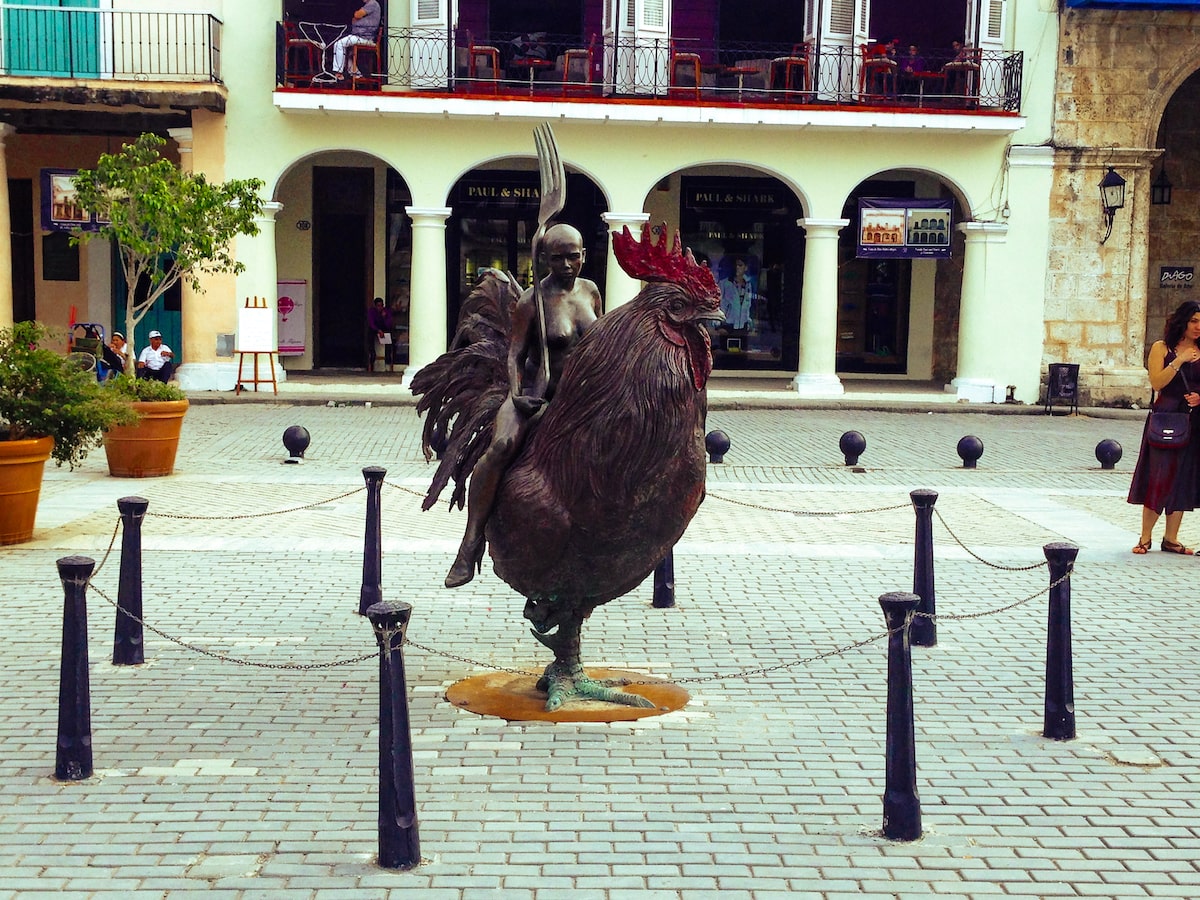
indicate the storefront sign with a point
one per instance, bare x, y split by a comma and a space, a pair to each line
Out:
292, 300
499, 193
904, 229
702, 196
1176, 278
60, 208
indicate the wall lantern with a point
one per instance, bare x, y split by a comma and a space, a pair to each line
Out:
1160, 188
1112, 198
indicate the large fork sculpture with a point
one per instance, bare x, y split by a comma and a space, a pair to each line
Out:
553, 198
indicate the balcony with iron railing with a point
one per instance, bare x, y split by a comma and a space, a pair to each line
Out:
105, 44
557, 67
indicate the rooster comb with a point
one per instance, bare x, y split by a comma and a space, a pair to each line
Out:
650, 260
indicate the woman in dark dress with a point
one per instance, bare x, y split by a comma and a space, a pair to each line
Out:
1165, 480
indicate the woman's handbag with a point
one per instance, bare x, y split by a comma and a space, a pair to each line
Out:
1170, 430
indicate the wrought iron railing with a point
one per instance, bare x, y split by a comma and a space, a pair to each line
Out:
507, 64
72, 42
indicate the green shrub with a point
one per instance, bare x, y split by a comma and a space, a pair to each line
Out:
144, 389
44, 394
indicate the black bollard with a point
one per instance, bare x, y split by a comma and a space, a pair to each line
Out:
296, 440
901, 805
716, 445
923, 631
73, 758
664, 582
372, 577
128, 645
1108, 453
1059, 722
399, 843
852, 444
969, 448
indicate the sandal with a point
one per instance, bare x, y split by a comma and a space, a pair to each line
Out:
1175, 547
1142, 548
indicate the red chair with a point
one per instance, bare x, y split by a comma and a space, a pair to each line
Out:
576, 58
490, 55
299, 57
877, 75
791, 74
684, 62
370, 77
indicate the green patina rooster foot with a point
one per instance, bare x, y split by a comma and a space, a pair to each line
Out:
557, 623
566, 681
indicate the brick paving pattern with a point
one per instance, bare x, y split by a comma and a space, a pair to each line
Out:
224, 779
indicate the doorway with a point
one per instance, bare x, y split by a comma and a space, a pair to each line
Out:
343, 240
20, 213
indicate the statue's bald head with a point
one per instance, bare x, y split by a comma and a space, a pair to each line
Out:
563, 234
562, 240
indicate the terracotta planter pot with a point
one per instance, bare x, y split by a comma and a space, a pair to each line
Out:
147, 449
21, 467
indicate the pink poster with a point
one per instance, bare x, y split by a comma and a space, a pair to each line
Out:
293, 296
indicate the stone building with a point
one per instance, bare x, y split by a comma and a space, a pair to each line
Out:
1126, 97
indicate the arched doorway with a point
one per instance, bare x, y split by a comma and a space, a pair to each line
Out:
899, 278
1173, 261
342, 240
495, 212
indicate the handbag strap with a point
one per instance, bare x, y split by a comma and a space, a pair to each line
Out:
1187, 388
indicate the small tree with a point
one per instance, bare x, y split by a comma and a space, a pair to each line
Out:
169, 225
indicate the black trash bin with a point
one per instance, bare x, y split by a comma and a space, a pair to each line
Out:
1062, 383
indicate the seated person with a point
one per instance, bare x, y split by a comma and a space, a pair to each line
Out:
116, 354
155, 361
363, 26
911, 63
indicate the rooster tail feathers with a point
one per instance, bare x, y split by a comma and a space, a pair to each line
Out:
462, 389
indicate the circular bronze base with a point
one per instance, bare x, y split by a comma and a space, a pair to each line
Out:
514, 697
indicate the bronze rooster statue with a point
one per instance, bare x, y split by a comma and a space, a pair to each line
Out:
612, 473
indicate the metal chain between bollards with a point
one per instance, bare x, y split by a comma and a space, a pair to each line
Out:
748, 673
277, 512
806, 512
225, 657
976, 556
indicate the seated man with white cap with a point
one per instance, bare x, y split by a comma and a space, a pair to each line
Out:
155, 360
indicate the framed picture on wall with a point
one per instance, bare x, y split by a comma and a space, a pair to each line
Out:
60, 206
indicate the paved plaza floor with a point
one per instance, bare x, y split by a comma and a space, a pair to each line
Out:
240, 761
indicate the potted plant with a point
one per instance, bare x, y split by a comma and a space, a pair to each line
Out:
48, 408
147, 448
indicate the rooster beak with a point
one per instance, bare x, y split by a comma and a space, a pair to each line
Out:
716, 316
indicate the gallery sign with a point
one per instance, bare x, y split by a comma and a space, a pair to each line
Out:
905, 228
1176, 278
60, 206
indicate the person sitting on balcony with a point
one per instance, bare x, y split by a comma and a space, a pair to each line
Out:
911, 63
363, 26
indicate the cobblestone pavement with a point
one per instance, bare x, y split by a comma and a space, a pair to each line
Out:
217, 776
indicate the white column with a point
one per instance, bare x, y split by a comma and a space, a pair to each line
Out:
619, 288
427, 338
6, 283
981, 318
817, 375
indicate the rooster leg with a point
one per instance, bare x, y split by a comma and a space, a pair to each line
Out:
557, 623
